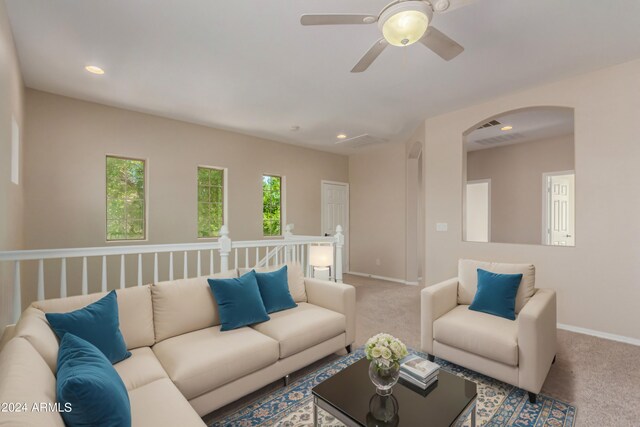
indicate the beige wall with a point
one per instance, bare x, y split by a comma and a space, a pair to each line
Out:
597, 280
377, 211
516, 173
384, 211
11, 195
65, 175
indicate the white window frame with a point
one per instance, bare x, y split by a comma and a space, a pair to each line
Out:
283, 204
225, 198
146, 199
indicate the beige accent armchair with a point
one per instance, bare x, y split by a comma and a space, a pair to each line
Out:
519, 352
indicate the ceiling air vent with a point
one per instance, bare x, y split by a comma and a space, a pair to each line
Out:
361, 141
500, 139
489, 124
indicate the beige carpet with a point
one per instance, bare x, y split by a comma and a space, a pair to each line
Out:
600, 377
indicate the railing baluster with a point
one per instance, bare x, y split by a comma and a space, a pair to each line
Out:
236, 255
155, 267
306, 264
40, 279
267, 257
139, 269
257, 256
17, 289
278, 249
63, 278
198, 265
170, 265
104, 274
185, 266
211, 261
85, 281
246, 258
122, 267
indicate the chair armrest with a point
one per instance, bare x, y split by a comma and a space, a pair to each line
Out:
337, 297
536, 339
435, 301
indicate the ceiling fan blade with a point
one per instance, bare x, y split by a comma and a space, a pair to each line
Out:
337, 19
370, 56
442, 45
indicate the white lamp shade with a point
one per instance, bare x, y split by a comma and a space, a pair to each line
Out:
321, 256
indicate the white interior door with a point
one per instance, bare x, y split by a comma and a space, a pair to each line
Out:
560, 216
478, 211
335, 211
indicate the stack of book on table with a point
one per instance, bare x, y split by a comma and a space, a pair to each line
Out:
419, 371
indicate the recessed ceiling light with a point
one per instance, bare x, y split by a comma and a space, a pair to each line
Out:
506, 128
341, 136
94, 70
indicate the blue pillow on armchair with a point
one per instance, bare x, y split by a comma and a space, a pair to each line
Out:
274, 289
239, 301
97, 323
496, 294
89, 386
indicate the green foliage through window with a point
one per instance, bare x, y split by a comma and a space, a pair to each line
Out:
210, 201
271, 205
125, 199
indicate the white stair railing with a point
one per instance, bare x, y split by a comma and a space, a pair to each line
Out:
232, 254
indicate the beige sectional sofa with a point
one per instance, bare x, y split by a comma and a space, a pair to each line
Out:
182, 366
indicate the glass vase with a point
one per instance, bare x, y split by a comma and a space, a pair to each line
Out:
384, 378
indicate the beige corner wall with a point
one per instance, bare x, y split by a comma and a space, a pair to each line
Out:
380, 216
11, 195
65, 176
377, 211
516, 173
597, 280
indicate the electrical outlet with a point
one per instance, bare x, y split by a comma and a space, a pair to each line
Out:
442, 226
378, 262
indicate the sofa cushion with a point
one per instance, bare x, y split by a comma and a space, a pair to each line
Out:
239, 301
185, 305
26, 378
295, 278
134, 312
160, 404
33, 327
274, 290
468, 279
302, 327
201, 361
496, 294
482, 334
88, 384
140, 369
96, 323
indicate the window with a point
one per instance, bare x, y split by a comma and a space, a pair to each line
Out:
211, 184
125, 199
271, 205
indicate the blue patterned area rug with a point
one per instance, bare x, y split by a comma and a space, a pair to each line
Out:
498, 404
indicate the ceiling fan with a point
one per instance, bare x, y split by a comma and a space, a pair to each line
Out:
402, 22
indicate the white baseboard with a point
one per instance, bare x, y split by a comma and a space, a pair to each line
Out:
388, 279
605, 335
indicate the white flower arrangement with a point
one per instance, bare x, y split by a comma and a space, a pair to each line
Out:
386, 350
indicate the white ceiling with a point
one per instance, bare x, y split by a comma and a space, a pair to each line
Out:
249, 66
530, 124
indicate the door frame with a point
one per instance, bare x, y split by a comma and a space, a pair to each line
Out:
545, 204
345, 227
478, 181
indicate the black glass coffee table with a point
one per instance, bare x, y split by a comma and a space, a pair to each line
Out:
350, 397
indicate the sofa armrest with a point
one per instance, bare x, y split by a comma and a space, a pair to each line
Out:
435, 301
337, 297
536, 339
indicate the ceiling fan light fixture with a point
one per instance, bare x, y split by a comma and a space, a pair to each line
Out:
405, 23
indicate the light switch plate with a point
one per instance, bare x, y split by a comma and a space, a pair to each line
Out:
442, 226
